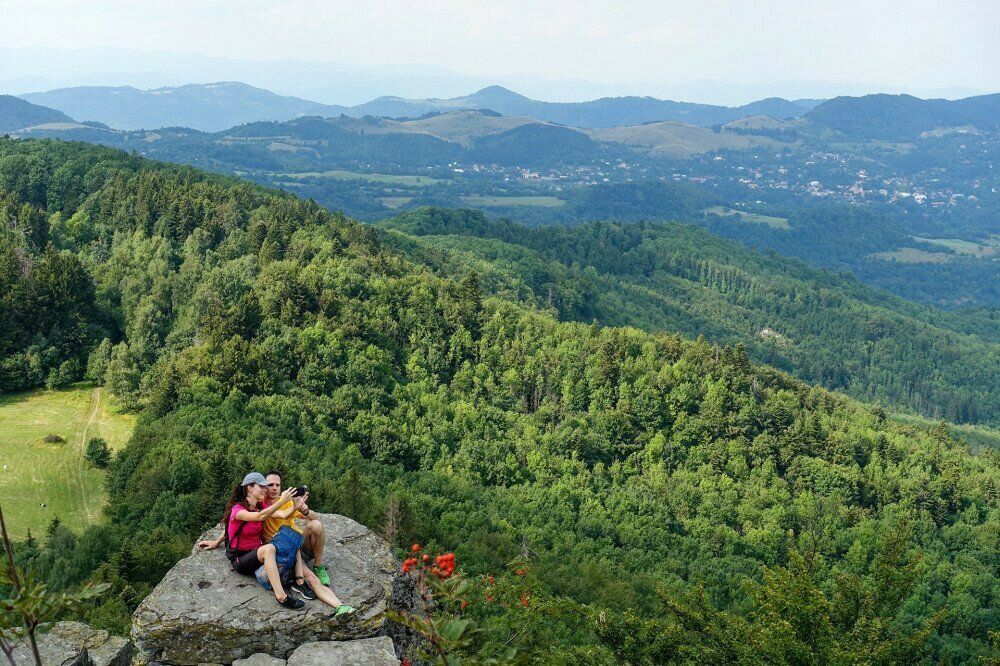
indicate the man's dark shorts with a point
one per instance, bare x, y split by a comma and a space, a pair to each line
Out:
246, 562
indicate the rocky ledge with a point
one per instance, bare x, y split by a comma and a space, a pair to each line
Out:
204, 612
76, 644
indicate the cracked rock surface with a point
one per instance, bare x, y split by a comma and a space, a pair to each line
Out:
204, 612
64, 643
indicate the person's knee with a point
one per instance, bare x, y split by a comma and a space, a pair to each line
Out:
315, 527
267, 551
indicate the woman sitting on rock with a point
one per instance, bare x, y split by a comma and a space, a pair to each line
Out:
243, 526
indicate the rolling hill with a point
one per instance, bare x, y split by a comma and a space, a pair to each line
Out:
822, 327
17, 114
208, 107
904, 117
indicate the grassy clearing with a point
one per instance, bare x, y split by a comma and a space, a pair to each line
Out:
55, 474
982, 249
544, 202
911, 255
396, 202
976, 435
412, 181
774, 222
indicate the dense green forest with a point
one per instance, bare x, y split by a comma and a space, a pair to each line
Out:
825, 328
676, 502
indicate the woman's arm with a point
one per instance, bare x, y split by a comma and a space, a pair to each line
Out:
212, 545
290, 511
258, 516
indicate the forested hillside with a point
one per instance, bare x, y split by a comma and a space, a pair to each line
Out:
674, 502
825, 328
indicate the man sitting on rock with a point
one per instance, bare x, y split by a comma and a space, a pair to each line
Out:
313, 537
309, 583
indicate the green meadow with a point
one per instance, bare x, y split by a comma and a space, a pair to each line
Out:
545, 202
769, 220
412, 181
34, 472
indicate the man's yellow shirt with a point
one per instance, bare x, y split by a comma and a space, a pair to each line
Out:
272, 524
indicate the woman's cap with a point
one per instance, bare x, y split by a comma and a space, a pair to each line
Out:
254, 477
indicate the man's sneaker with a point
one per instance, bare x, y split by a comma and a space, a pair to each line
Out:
303, 589
320, 571
291, 602
344, 609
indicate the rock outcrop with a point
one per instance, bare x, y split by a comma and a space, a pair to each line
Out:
74, 643
204, 612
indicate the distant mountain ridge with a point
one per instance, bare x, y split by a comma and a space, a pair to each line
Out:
218, 106
17, 114
603, 112
207, 107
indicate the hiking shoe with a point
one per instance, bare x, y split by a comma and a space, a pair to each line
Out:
291, 602
320, 571
303, 589
344, 609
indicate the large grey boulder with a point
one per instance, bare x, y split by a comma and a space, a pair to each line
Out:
65, 642
204, 612
367, 651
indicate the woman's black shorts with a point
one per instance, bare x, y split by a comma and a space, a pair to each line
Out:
246, 562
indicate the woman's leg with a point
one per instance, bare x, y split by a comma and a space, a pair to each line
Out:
266, 554
323, 593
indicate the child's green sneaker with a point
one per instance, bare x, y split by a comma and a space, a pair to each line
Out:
344, 609
320, 571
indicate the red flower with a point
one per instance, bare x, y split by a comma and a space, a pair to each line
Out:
489, 579
520, 572
406, 662
489, 598
415, 547
409, 564
464, 604
426, 557
524, 601
445, 565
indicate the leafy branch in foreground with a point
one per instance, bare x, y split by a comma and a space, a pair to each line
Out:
31, 600
446, 634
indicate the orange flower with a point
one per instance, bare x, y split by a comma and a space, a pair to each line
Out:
415, 547
520, 572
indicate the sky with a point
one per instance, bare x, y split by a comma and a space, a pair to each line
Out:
912, 44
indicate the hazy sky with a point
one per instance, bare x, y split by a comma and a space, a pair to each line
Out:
919, 43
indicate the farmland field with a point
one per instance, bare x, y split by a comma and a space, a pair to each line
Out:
774, 222
54, 474
966, 247
546, 202
412, 181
